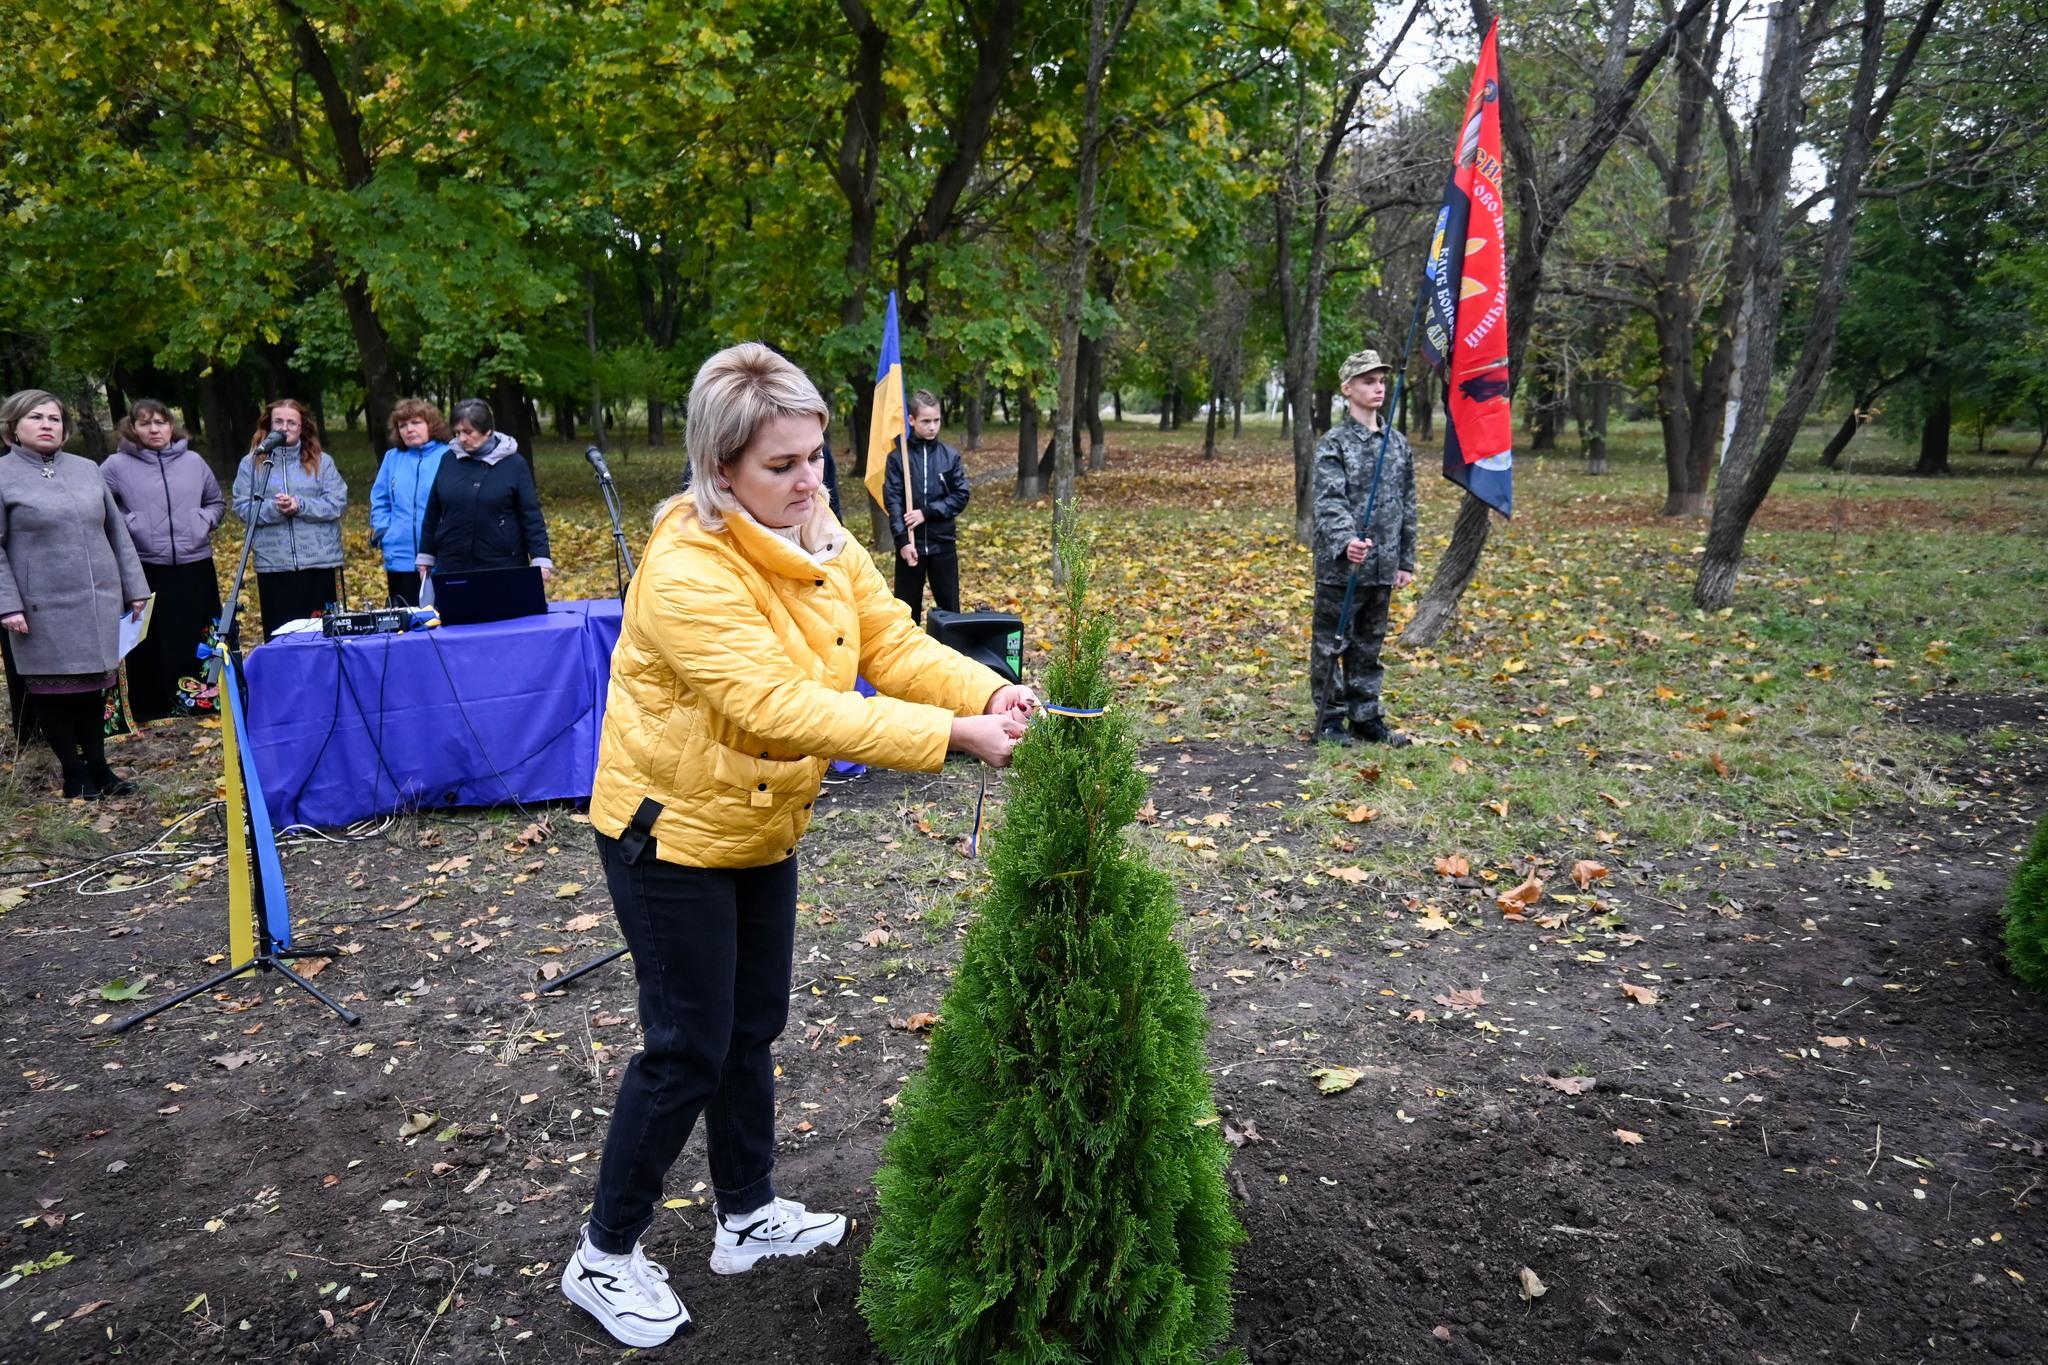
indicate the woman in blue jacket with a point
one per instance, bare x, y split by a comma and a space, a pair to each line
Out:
398, 499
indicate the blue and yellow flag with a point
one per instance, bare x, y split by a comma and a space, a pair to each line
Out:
889, 422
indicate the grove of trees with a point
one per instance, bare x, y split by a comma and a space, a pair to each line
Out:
1728, 215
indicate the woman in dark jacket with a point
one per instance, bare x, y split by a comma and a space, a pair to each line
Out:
484, 512
68, 573
172, 504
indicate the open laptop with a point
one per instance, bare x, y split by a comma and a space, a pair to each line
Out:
465, 599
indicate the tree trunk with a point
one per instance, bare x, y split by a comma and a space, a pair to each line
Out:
1934, 432
515, 417
1116, 403
1098, 446
657, 429
1839, 442
1540, 211
1468, 539
1324, 400
1209, 427
1029, 489
1425, 402
975, 389
590, 348
344, 122
1755, 455
1600, 399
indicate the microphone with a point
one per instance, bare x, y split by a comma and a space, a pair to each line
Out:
270, 443
596, 458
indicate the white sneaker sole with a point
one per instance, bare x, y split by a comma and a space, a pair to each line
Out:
739, 1260
629, 1332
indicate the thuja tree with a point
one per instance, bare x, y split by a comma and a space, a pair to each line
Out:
2026, 914
1053, 1191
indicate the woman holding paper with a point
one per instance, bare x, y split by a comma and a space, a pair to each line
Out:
68, 572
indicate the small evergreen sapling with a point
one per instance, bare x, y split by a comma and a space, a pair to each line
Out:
2026, 914
1053, 1191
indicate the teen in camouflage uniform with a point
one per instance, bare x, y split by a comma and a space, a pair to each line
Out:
1383, 560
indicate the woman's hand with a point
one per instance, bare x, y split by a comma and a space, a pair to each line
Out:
1013, 699
547, 575
135, 609
16, 622
288, 504
988, 738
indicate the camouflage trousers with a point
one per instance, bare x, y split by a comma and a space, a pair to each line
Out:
1355, 696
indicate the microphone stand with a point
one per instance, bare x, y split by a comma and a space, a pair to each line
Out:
267, 954
622, 553
622, 563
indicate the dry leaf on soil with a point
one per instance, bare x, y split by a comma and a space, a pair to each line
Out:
1522, 897
1570, 1085
1627, 1138
1453, 866
1585, 872
1532, 1286
1642, 995
1332, 1080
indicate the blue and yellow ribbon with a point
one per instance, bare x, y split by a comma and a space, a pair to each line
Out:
981, 797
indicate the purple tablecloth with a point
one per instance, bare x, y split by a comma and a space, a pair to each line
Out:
458, 716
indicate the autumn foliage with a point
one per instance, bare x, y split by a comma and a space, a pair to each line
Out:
1053, 1190
2026, 914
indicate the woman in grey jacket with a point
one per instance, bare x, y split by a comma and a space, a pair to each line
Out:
172, 503
68, 572
292, 500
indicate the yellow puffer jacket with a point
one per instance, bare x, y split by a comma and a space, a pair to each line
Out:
732, 687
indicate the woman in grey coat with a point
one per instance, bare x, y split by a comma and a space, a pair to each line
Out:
68, 572
292, 501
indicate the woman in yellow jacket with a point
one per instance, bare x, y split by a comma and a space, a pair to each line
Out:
731, 689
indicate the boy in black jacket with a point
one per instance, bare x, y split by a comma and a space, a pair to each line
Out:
924, 534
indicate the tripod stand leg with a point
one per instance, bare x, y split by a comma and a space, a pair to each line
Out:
348, 1016
613, 956
182, 996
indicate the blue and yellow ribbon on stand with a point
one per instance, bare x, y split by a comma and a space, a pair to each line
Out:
253, 836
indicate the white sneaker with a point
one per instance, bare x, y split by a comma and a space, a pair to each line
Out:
629, 1295
782, 1227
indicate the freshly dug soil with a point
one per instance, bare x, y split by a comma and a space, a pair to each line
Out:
1825, 1141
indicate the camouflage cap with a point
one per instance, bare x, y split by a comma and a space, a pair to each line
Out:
1358, 363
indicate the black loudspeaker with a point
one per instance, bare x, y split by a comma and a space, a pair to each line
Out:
995, 638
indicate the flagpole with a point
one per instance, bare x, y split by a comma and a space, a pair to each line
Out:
903, 445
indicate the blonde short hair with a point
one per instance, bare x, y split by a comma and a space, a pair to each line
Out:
21, 404
736, 391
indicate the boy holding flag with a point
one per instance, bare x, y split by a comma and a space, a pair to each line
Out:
1363, 468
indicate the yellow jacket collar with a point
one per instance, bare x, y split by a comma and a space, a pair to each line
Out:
823, 539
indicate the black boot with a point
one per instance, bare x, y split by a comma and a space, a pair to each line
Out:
75, 782
100, 780
1375, 731
1332, 731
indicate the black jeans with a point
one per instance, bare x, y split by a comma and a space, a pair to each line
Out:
942, 568
711, 948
